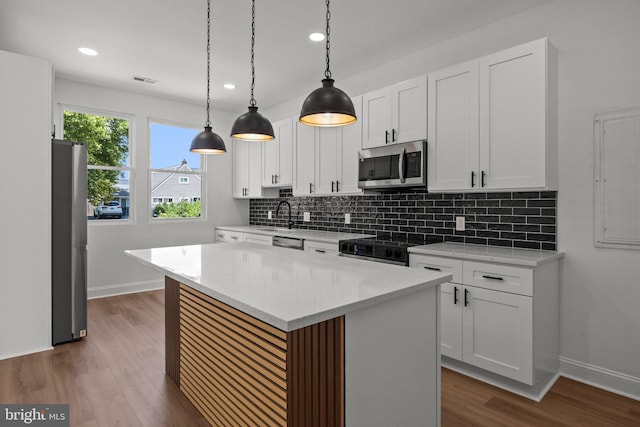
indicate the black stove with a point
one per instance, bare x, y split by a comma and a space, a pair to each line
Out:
379, 249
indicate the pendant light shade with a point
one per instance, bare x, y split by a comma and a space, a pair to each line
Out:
252, 126
328, 105
207, 141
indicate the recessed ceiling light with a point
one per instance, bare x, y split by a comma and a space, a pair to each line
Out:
87, 51
229, 86
316, 37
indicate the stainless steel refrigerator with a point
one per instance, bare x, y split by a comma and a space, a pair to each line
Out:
68, 240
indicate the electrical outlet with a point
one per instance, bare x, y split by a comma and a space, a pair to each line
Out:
347, 218
270, 215
306, 217
459, 223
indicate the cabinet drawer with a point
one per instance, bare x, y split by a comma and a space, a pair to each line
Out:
504, 278
445, 265
321, 248
228, 236
261, 239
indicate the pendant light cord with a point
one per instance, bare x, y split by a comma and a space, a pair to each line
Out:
327, 72
208, 60
252, 102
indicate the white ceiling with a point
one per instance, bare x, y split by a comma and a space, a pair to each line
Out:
165, 40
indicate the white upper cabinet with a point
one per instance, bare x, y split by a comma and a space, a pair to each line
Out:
277, 156
488, 123
304, 171
247, 169
452, 150
513, 117
395, 114
326, 158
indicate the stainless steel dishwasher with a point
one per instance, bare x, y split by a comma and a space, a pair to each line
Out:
288, 242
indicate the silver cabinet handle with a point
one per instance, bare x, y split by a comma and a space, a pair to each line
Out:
321, 251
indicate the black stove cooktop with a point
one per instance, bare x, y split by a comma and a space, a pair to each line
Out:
392, 251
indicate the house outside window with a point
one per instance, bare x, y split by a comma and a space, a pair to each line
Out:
107, 136
177, 178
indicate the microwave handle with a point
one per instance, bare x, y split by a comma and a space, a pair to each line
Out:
401, 165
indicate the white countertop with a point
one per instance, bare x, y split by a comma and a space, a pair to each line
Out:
283, 287
515, 256
319, 236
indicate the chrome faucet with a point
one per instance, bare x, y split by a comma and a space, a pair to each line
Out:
289, 222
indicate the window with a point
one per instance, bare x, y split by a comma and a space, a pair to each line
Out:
176, 175
108, 161
617, 179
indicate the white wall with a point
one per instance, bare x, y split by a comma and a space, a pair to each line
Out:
25, 218
599, 70
110, 271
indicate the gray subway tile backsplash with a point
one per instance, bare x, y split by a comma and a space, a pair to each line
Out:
510, 219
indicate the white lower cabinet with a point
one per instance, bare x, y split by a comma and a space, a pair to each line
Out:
489, 329
500, 318
237, 236
321, 248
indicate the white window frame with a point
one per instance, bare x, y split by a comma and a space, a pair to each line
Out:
201, 173
181, 178
129, 168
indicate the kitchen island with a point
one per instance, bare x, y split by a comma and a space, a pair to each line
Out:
259, 335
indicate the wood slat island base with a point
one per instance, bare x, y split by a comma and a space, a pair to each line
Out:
238, 370
377, 366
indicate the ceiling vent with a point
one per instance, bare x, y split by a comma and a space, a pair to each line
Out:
144, 80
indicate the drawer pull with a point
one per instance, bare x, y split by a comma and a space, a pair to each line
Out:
320, 251
492, 277
455, 295
432, 268
234, 238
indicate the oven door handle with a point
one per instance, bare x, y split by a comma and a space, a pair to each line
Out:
401, 165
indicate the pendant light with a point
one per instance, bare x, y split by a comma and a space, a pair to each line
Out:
328, 105
208, 142
252, 126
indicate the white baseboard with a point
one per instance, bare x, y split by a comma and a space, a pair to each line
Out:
24, 353
124, 288
606, 379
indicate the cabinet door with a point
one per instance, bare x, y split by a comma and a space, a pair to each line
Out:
328, 144
409, 110
376, 118
304, 155
452, 150
498, 332
270, 158
285, 152
451, 320
513, 101
351, 143
254, 173
240, 168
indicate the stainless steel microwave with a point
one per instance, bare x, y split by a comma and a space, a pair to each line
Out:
393, 166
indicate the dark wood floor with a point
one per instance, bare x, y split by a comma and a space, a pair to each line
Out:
115, 377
